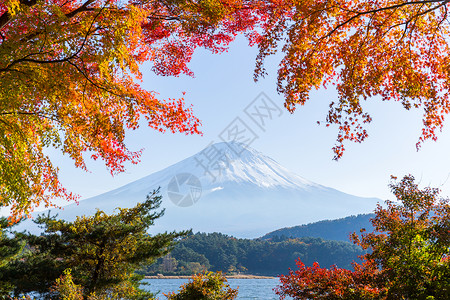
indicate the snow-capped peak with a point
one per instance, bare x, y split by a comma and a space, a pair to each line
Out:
230, 188
234, 162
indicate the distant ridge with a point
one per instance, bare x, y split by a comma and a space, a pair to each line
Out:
228, 188
338, 230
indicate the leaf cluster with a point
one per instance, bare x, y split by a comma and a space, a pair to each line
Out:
205, 286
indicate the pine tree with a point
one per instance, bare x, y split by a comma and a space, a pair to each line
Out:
102, 251
10, 248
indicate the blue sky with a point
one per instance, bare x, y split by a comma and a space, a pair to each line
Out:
223, 87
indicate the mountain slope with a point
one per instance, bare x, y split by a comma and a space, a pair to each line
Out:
218, 252
231, 189
338, 230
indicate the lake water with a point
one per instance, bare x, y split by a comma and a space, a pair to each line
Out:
260, 289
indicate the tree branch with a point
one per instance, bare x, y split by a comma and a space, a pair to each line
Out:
6, 16
65, 59
50, 117
82, 8
362, 13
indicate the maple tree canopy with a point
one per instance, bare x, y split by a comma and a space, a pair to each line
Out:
394, 49
69, 71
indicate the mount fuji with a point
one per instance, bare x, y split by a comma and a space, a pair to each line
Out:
228, 188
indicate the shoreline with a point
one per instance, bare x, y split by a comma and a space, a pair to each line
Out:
159, 276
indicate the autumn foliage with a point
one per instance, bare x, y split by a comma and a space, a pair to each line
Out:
408, 254
70, 72
205, 286
387, 49
333, 283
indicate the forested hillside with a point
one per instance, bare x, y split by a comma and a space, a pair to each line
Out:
219, 252
338, 230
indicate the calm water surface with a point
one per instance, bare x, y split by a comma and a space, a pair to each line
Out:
261, 289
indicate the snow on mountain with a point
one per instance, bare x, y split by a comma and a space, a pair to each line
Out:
231, 189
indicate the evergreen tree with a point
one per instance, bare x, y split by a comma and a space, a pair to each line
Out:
102, 251
10, 248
